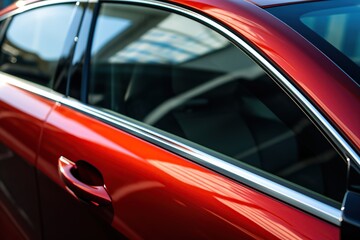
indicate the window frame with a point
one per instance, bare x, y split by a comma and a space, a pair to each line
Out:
215, 163
260, 172
218, 162
62, 63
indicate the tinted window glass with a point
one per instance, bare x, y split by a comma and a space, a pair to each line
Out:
34, 41
179, 76
332, 26
339, 27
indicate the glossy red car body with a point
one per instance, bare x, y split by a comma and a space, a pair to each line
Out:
209, 206
157, 194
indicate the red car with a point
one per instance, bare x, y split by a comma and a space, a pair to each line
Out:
201, 119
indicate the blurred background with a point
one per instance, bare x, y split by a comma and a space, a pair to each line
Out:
5, 3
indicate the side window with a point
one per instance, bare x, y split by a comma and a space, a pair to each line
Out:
182, 77
34, 41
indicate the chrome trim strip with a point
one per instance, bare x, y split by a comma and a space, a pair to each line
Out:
348, 151
313, 206
36, 5
282, 79
31, 87
260, 183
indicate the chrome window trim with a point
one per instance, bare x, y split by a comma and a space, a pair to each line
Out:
249, 178
30, 6
266, 64
26, 85
262, 184
294, 198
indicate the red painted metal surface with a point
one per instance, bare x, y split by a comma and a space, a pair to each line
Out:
329, 88
94, 194
158, 195
16, 5
21, 118
9, 227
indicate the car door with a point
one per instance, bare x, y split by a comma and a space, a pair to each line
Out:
167, 133
31, 48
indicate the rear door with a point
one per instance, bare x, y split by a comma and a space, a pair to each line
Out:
169, 134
